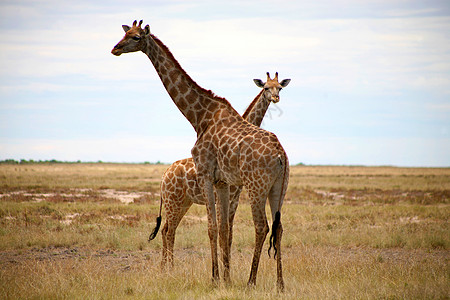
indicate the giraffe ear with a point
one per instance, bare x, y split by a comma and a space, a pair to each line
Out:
126, 28
147, 29
285, 82
258, 83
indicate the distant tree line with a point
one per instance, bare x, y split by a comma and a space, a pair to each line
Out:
54, 161
32, 161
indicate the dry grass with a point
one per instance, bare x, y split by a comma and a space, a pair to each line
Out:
310, 272
55, 177
349, 232
383, 178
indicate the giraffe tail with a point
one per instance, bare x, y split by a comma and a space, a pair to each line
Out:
158, 224
277, 220
273, 236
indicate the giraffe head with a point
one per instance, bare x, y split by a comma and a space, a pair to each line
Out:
134, 39
272, 87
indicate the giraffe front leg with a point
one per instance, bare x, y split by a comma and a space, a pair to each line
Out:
205, 164
235, 192
208, 191
223, 204
212, 233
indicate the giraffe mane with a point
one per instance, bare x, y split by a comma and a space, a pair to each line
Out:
250, 107
205, 92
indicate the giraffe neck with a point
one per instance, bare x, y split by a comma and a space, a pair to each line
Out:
195, 103
256, 111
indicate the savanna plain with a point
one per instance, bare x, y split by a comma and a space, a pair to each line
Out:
80, 231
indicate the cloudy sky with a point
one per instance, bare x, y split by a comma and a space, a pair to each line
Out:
370, 79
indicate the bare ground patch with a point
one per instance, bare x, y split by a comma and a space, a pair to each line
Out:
80, 195
356, 197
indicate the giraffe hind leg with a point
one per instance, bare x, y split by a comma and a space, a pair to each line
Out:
168, 232
280, 282
276, 196
164, 241
261, 230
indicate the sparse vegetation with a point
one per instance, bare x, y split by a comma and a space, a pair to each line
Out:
80, 231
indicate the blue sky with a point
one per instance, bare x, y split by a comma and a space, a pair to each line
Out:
370, 79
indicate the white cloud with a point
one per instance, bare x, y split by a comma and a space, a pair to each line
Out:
342, 53
411, 12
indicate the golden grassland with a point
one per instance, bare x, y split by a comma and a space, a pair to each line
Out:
349, 232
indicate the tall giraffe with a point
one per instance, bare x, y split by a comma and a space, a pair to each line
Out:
228, 151
179, 185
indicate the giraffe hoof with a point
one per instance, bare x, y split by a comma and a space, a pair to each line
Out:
280, 286
251, 284
215, 281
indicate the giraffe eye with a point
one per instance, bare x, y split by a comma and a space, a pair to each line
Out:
266, 89
136, 38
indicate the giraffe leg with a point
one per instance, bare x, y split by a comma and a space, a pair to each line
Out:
280, 282
223, 200
173, 220
276, 195
261, 230
235, 192
205, 164
164, 241
208, 191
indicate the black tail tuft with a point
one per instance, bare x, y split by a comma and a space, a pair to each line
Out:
273, 236
155, 231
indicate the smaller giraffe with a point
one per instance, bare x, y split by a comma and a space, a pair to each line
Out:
179, 185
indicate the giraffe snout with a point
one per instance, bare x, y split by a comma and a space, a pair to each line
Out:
275, 98
116, 50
